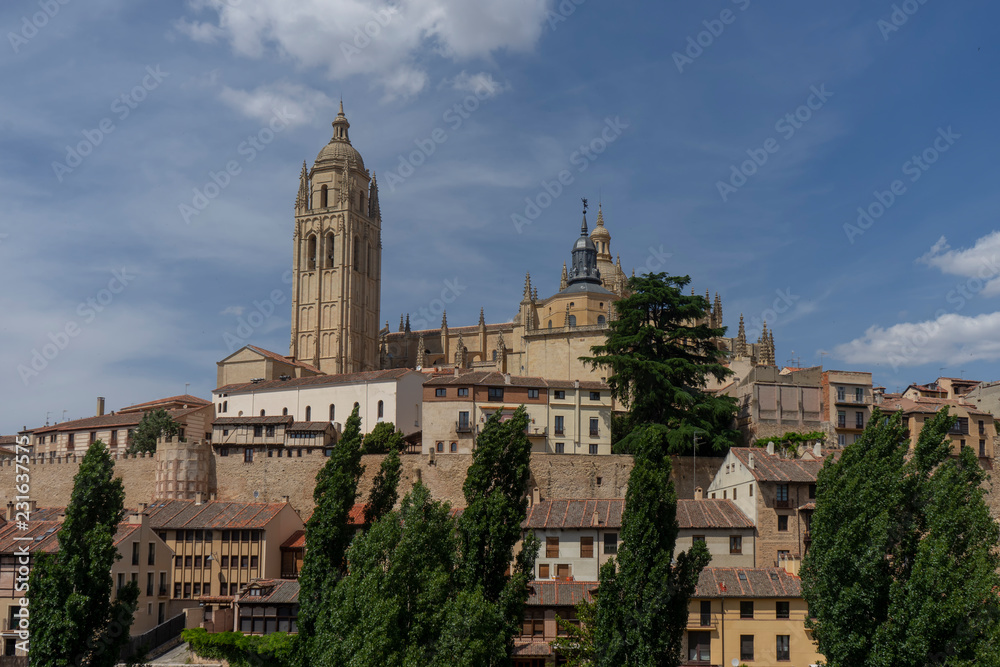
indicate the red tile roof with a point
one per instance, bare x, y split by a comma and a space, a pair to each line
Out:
495, 379
570, 513
774, 468
560, 593
44, 538
173, 514
273, 591
119, 419
356, 517
183, 399
710, 513
747, 582
283, 359
925, 404
363, 377
273, 419
296, 540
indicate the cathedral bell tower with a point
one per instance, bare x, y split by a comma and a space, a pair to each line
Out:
337, 260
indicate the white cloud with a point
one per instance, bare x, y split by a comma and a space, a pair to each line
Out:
382, 39
482, 84
978, 263
948, 340
235, 311
295, 102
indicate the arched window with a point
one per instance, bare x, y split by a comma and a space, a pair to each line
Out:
550, 324
572, 320
331, 244
380, 409
357, 254
261, 413
571, 304
600, 319
284, 412
225, 406
311, 252
322, 197
333, 412
309, 413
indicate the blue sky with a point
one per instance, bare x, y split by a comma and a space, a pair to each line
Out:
115, 112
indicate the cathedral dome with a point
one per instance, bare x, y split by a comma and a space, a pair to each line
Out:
340, 149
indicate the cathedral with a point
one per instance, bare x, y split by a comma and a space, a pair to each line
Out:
336, 290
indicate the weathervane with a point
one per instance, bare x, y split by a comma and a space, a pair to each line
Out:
584, 205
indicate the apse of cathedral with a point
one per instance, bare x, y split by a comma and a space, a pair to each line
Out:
337, 263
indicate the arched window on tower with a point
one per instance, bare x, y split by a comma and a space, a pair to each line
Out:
331, 244
225, 406
601, 320
322, 197
284, 412
311, 252
572, 320
261, 413
333, 412
357, 254
309, 413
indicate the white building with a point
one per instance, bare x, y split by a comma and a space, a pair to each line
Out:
392, 395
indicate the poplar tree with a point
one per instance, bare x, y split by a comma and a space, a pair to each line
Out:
328, 534
75, 620
642, 600
902, 570
384, 491
661, 353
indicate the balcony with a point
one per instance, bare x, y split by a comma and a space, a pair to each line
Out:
463, 427
782, 504
536, 432
290, 575
559, 431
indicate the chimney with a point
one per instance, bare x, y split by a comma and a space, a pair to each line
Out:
142, 507
536, 496
10, 510
138, 518
750, 461
285, 499
699, 494
199, 498
211, 496
100, 406
818, 450
456, 371
770, 448
595, 519
506, 378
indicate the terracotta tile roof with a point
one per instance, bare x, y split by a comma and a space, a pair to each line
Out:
118, 419
747, 582
319, 381
217, 599
48, 513
173, 514
283, 359
274, 419
356, 517
296, 540
273, 591
525, 646
8, 439
496, 379
560, 593
125, 531
574, 514
42, 534
773, 468
925, 404
183, 399
710, 513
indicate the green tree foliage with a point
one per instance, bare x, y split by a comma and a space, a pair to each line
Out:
384, 491
383, 439
577, 646
661, 354
155, 424
328, 534
902, 570
642, 602
74, 618
239, 650
401, 604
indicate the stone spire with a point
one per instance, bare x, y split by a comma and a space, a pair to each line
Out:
400, 321
717, 311
482, 318
770, 348
444, 321
564, 280
527, 288
534, 294
373, 207
764, 348
340, 125
421, 361
302, 199
460, 353
741, 340
407, 327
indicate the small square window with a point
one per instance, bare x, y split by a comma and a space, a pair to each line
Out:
782, 522
782, 609
440, 446
495, 393
454, 447
593, 448
440, 392
463, 391
559, 394
560, 448
746, 609
595, 395
735, 544
532, 393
